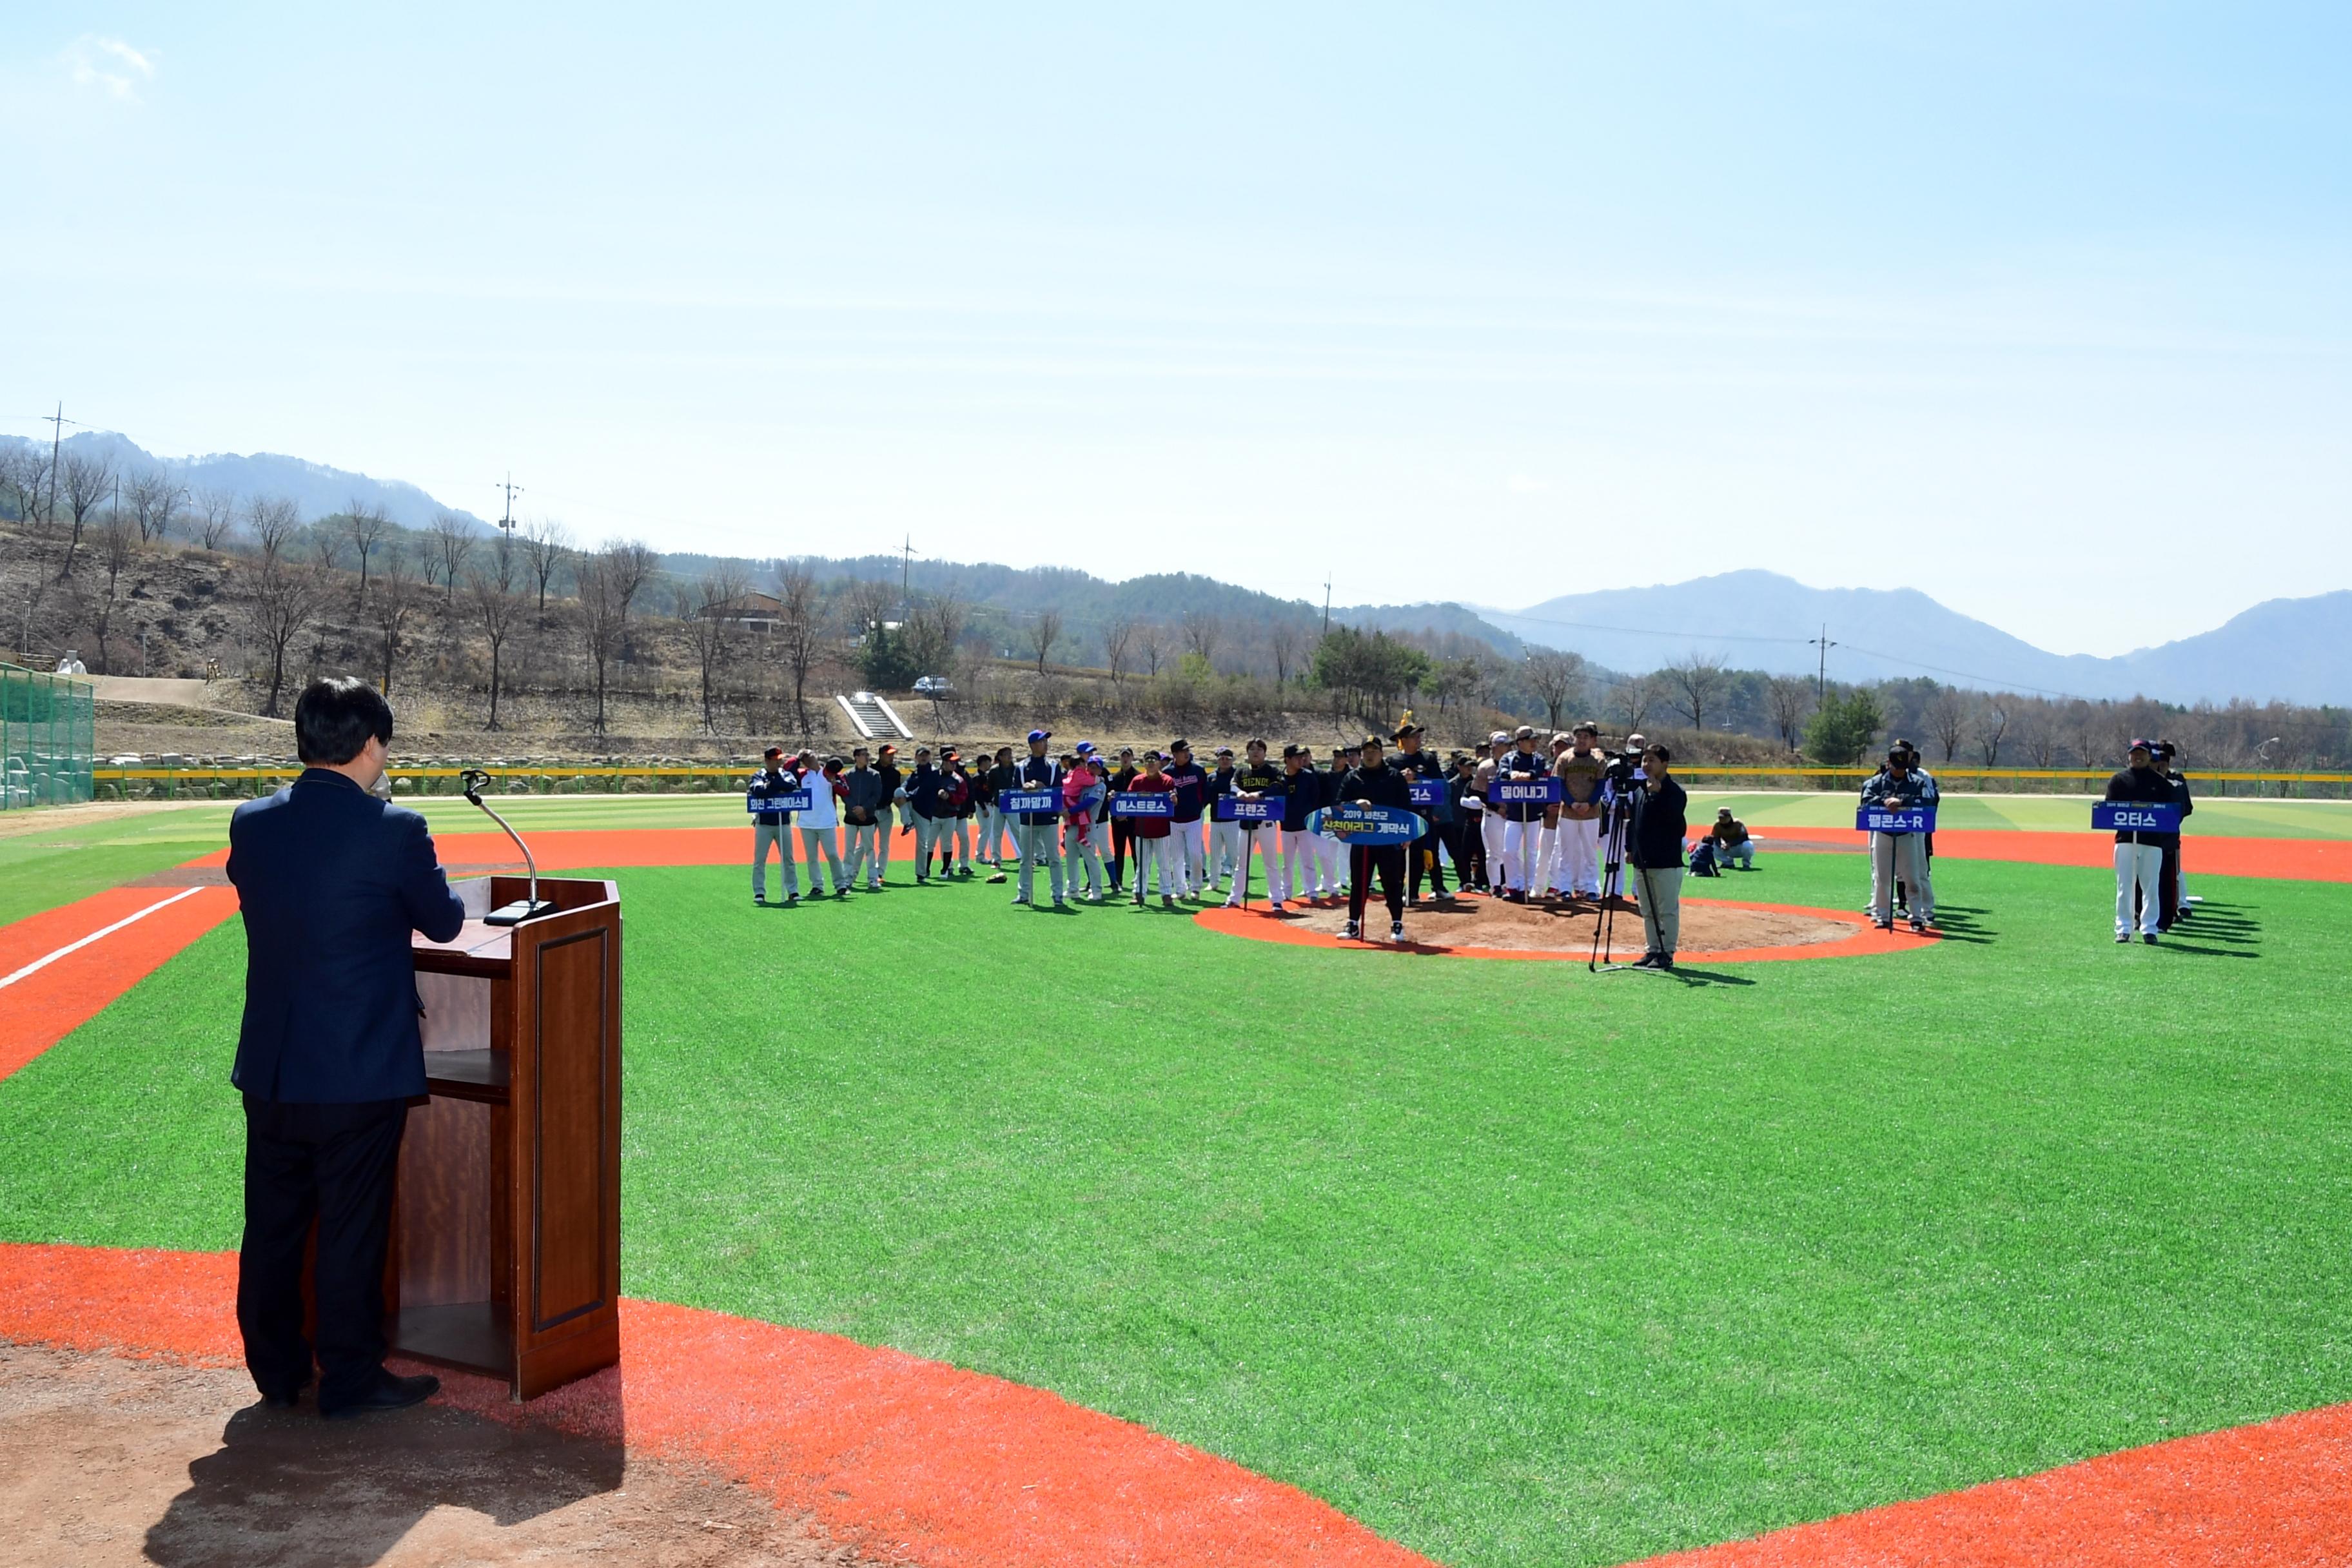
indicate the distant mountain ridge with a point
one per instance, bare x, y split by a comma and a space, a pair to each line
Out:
2294, 650
318, 490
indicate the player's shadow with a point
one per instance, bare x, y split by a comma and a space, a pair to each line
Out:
285, 1487
1963, 922
2216, 930
1690, 976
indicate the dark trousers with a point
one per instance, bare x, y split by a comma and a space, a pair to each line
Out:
333, 1164
1422, 860
1465, 840
1122, 837
1363, 861
2168, 880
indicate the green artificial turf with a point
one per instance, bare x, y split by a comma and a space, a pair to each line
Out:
1514, 1264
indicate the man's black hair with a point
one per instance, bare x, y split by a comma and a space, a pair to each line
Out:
334, 717
1663, 755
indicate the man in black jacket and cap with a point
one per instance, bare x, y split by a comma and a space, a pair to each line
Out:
1372, 782
2140, 859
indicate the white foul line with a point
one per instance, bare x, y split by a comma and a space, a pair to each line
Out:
47, 958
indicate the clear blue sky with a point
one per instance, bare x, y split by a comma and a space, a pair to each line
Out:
2040, 308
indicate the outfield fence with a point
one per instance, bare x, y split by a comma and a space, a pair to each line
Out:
47, 738
706, 778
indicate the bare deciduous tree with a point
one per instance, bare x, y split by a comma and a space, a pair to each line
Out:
216, 516
628, 565
116, 535
325, 539
800, 632
448, 541
280, 598
1286, 642
1790, 699
601, 623
1948, 719
490, 594
393, 601
1698, 681
1203, 632
1043, 633
156, 499
1993, 714
1119, 642
1152, 640
545, 544
1556, 679
708, 608
86, 480
272, 521
23, 473
367, 523
1633, 698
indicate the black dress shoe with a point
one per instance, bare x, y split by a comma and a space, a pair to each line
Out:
388, 1393
281, 1399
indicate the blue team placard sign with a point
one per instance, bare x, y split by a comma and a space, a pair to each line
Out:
1142, 802
2134, 816
1505, 791
1428, 792
1233, 808
1030, 802
782, 800
1357, 823
1903, 819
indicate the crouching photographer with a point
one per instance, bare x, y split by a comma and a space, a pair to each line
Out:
1655, 850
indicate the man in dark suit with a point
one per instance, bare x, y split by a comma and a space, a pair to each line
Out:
331, 881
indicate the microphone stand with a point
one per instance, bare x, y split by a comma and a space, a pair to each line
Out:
532, 906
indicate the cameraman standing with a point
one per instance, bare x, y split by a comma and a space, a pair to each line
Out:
1654, 847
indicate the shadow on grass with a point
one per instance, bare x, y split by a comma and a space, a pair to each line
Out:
1960, 922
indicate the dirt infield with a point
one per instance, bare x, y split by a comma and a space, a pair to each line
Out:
904, 1459
1712, 930
112, 1461
1556, 929
901, 1457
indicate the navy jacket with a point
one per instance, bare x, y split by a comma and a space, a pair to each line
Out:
332, 880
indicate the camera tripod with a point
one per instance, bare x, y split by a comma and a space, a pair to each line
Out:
1624, 820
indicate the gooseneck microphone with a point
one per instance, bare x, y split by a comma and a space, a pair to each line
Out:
532, 906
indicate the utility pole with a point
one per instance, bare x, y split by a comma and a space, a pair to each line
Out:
512, 490
1327, 606
57, 422
1821, 676
906, 574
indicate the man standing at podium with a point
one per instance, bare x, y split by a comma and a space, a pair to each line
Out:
332, 881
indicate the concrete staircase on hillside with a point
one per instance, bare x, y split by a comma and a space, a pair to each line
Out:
873, 718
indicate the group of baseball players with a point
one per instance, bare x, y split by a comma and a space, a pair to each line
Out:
1199, 850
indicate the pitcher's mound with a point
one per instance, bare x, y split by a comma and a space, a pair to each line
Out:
1480, 927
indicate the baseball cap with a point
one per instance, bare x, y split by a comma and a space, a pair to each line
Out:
1035, 735
1179, 744
1498, 735
889, 750
1524, 732
1374, 742
1723, 811
2142, 746
774, 752
1085, 748
1224, 751
1407, 728
1294, 751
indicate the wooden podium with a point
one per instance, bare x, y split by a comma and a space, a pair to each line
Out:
506, 1233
